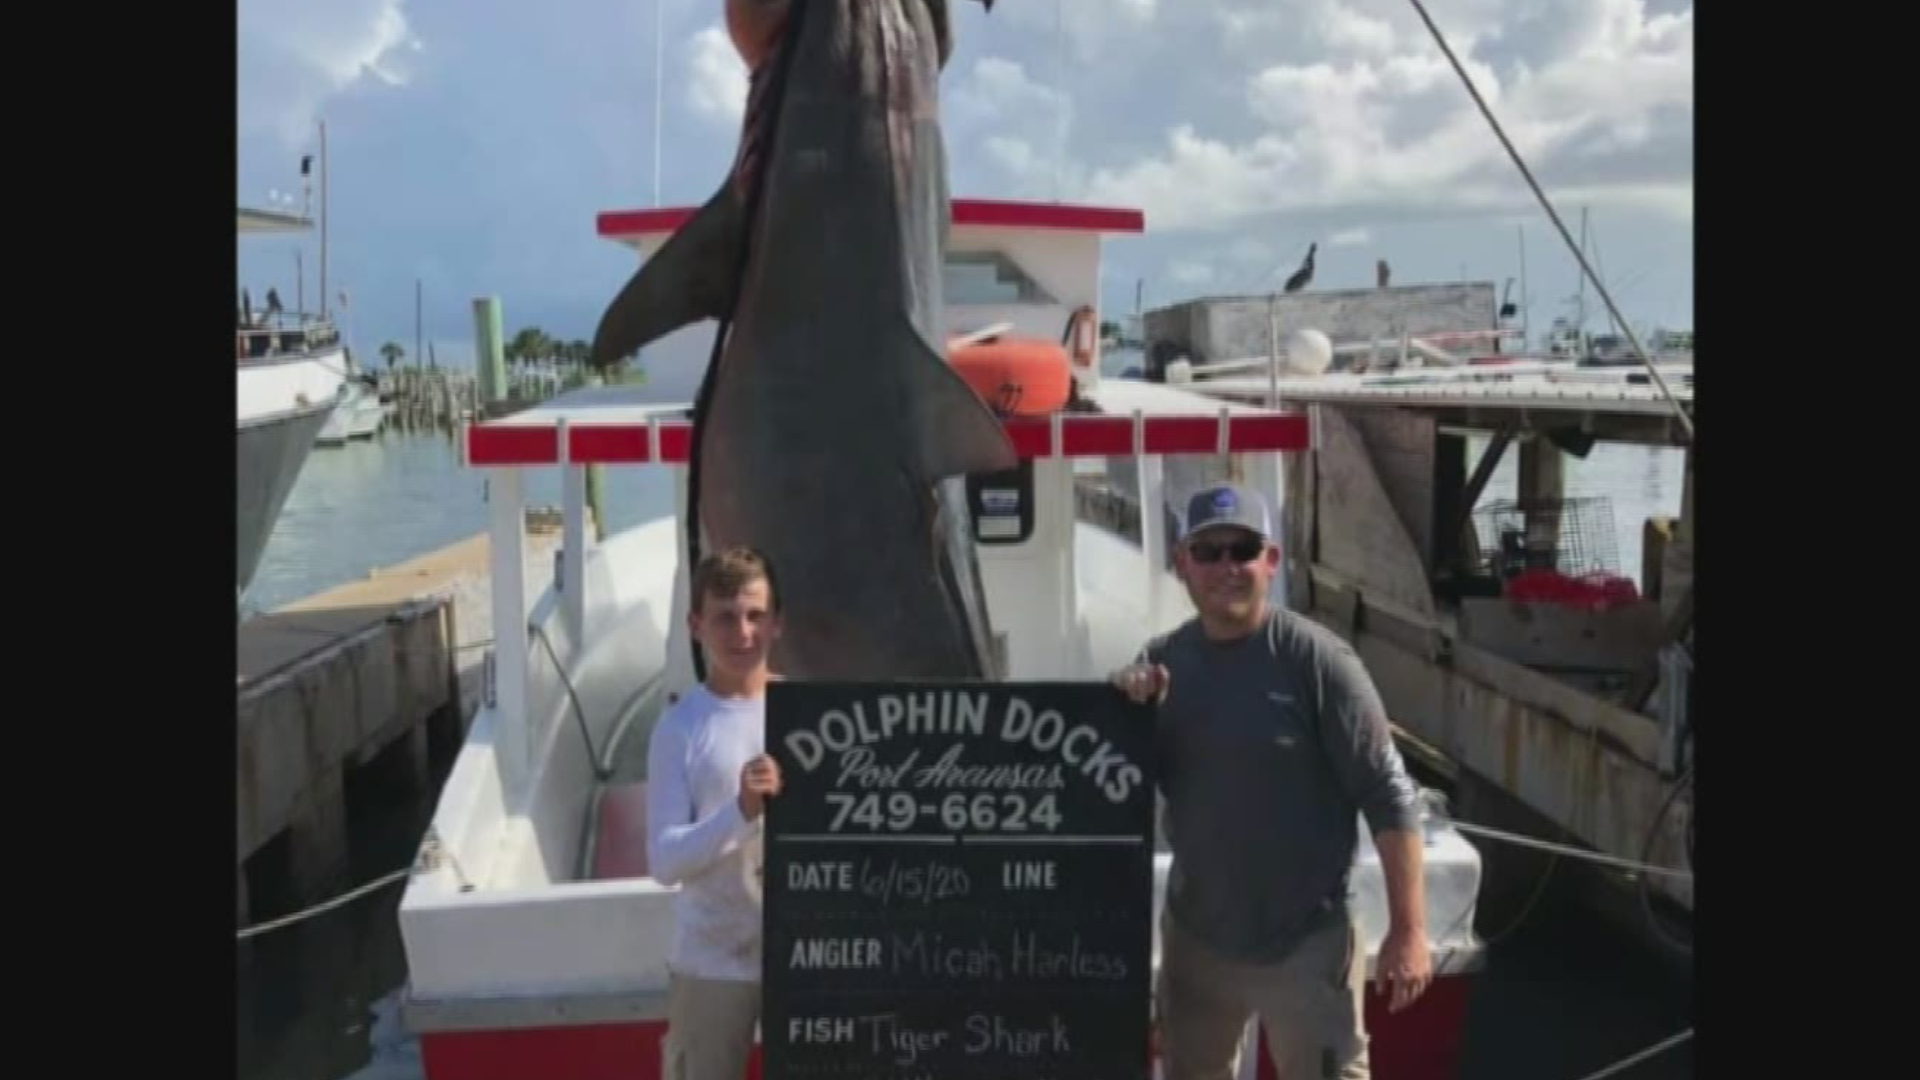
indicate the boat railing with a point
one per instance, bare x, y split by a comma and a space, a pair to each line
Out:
285, 334
1439, 348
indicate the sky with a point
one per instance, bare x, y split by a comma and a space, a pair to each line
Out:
470, 144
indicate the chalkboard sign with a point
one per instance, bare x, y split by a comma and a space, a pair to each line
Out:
959, 882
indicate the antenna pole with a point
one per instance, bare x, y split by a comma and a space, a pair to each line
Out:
1526, 308
323, 219
659, 50
1060, 143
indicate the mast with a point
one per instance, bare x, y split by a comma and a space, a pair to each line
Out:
323, 219
1526, 308
659, 30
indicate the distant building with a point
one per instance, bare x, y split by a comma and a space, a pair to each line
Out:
1211, 329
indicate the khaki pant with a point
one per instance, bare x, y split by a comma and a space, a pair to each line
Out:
1310, 1003
710, 1028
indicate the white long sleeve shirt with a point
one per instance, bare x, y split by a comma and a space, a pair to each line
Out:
698, 839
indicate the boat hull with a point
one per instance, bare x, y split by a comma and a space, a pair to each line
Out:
281, 403
270, 452
358, 416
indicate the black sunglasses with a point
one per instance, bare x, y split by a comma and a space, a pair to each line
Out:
1245, 549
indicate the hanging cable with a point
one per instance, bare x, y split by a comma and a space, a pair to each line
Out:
1619, 321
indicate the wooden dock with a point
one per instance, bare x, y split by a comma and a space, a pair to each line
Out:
360, 688
439, 399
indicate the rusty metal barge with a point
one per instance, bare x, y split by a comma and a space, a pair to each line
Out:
1545, 689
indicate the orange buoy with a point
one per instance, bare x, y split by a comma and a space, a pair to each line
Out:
1015, 376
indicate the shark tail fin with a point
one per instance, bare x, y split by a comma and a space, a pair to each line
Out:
689, 279
957, 433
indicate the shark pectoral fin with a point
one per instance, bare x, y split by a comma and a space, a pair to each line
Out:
958, 434
690, 278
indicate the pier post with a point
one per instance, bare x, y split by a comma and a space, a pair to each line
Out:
507, 551
489, 361
573, 540
1542, 483
317, 835
596, 492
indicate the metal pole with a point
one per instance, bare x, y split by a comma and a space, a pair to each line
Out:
1619, 320
323, 219
659, 32
1273, 351
1526, 308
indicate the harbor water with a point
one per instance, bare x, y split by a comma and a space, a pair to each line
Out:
1563, 995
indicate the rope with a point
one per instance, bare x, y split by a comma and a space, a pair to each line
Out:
1571, 852
1631, 1060
601, 770
1619, 321
322, 908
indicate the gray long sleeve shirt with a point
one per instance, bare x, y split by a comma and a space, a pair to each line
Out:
1270, 750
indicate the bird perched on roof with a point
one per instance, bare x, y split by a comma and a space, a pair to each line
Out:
1382, 272
1303, 275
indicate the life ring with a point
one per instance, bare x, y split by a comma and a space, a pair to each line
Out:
1083, 334
1016, 376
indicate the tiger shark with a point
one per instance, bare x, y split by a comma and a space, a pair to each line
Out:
830, 432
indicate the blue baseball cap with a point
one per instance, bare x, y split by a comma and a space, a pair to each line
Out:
1228, 504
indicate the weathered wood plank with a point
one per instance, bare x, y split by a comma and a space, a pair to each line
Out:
1431, 638
1361, 533
1619, 638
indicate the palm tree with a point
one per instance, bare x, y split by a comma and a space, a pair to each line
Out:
391, 352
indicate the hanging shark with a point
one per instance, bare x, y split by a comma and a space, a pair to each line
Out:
829, 430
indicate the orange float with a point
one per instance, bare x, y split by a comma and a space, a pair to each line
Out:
1016, 376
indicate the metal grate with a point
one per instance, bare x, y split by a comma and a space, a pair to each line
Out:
1573, 536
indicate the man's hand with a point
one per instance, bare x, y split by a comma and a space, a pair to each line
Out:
759, 779
1143, 682
1405, 966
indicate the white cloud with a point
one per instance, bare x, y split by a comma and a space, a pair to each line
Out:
717, 86
1350, 105
1022, 126
1082, 29
1350, 238
294, 56
1186, 272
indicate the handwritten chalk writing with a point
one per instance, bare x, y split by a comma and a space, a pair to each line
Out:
975, 849
906, 1044
955, 713
859, 769
1020, 954
923, 883
993, 1034
948, 772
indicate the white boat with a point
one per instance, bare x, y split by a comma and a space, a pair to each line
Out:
290, 373
359, 416
536, 943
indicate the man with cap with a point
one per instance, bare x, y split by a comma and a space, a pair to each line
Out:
1273, 744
